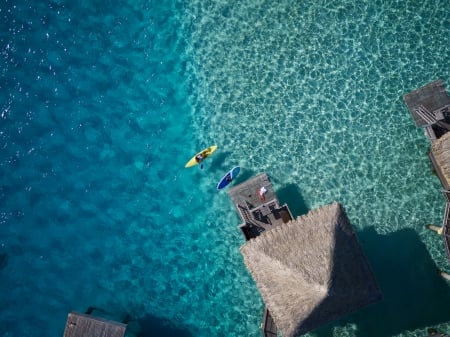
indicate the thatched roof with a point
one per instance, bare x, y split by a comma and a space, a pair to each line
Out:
311, 270
440, 150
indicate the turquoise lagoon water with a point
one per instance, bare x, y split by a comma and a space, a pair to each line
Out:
102, 104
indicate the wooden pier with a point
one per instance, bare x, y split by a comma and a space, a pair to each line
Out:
83, 325
430, 109
259, 212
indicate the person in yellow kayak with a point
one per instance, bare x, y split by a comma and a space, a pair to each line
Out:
199, 158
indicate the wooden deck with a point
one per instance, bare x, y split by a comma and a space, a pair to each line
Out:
258, 215
82, 325
430, 106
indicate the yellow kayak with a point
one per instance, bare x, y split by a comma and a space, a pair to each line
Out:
202, 155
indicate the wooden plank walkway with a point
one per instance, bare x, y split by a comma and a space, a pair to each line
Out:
259, 213
82, 325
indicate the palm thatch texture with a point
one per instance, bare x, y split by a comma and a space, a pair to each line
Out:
440, 157
440, 152
311, 270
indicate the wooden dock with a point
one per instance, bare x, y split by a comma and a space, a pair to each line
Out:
82, 325
259, 212
429, 107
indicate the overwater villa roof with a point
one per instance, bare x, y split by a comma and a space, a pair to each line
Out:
440, 156
311, 270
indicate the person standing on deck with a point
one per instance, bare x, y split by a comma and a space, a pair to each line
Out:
262, 192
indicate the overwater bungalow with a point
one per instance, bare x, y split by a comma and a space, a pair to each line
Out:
310, 270
430, 109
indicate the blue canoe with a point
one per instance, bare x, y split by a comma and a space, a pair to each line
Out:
227, 178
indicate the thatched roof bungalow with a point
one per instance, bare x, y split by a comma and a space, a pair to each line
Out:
440, 157
311, 270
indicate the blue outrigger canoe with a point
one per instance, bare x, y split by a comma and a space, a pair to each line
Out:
227, 178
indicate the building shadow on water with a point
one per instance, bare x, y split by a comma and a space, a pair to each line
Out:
146, 326
152, 326
291, 195
415, 295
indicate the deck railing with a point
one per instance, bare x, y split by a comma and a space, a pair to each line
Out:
426, 115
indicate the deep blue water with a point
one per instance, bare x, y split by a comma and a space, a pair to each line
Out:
93, 128
102, 105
